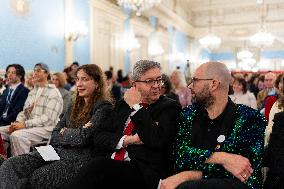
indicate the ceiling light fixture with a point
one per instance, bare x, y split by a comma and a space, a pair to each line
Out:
210, 41
138, 5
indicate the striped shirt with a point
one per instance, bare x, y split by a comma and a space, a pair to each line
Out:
42, 108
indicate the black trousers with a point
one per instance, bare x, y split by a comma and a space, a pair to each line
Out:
108, 173
273, 182
213, 184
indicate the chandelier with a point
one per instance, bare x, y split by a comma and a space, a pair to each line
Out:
138, 5
262, 38
244, 54
210, 41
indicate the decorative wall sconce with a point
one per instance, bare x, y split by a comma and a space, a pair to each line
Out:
21, 7
77, 30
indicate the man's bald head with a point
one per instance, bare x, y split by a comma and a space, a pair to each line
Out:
217, 70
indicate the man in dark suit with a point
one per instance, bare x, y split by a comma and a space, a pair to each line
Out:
134, 152
14, 97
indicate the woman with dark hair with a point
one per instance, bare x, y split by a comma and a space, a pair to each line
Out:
241, 95
166, 88
71, 138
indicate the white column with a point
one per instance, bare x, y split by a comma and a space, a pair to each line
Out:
69, 43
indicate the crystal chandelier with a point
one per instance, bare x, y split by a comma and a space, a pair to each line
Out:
210, 41
262, 38
138, 5
244, 54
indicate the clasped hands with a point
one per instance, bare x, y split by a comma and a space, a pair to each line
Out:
131, 139
15, 126
237, 165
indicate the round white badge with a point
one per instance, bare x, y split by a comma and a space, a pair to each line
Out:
221, 138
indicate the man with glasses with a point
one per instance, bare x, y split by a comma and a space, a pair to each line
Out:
269, 90
219, 144
39, 116
136, 148
14, 97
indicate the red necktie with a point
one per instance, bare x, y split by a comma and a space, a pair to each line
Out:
119, 155
2, 151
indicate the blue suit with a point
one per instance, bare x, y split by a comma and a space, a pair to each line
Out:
16, 105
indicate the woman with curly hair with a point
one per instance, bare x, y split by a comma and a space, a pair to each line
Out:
71, 138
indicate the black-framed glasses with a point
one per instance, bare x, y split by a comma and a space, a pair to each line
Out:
194, 80
151, 82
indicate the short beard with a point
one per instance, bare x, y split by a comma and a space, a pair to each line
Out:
204, 97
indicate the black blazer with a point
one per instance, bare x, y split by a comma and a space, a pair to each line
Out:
156, 127
16, 105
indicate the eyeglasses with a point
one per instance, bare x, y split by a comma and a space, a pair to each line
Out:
39, 70
194, 80
151, 82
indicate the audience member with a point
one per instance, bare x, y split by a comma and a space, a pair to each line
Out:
39, 116
260, 82
119, 78
135, 149
114, 88
59, 81
72, 138
277, 107
30, 81
69, 78
241, 95
74, 66
2, 85
275, 155
252, 85
219, 144
14, 97
180, 88
269, 90
166, 88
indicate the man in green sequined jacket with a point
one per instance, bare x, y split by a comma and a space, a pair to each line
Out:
219, 144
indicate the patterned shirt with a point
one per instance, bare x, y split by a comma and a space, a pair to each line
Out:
42, 108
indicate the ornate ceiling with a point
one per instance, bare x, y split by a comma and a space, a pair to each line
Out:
233, 20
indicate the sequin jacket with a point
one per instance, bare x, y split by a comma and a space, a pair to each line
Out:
246, 139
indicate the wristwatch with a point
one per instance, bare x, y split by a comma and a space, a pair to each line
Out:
136, 107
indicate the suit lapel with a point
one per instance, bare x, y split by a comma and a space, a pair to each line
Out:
17, 93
